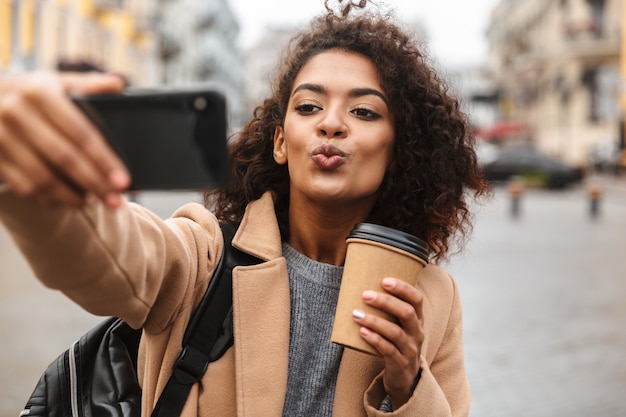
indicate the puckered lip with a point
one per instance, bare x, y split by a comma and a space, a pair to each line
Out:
328, 149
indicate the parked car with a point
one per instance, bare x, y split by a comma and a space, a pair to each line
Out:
486, 152
535, 168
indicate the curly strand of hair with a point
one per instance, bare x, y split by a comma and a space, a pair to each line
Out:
344, 9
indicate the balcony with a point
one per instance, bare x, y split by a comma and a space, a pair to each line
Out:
589, 39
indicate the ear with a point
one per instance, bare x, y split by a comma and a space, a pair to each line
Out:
280, 147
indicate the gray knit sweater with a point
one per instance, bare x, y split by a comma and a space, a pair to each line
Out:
313, 358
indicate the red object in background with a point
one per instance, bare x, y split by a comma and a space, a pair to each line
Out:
503, 130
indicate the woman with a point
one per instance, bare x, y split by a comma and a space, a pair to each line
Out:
359, 128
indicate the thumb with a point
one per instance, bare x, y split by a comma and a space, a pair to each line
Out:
92, 83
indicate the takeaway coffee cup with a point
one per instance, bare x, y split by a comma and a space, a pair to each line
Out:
374, 252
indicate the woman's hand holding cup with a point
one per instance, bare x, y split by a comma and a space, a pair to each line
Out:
386, 313
399, 342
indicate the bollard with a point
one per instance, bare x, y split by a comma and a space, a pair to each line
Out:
516, 189
594, 192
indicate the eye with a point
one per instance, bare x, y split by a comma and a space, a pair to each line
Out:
365, 113
307, 108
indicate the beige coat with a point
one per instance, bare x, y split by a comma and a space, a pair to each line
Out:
152, 273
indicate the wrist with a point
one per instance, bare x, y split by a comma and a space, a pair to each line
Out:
398, 399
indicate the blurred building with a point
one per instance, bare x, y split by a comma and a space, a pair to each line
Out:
557, 67
112, 35
151, 42
261, 64
475, 86
197, 45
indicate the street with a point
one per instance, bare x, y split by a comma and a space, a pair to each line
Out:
542, 299
543, 302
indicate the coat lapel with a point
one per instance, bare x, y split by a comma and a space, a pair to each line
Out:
261, 315
261, 333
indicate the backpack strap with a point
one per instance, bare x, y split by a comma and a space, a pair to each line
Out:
210, 330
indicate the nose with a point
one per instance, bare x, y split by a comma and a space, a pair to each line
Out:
332, 125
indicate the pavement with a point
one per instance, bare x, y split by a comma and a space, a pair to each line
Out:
543, 296
542, 299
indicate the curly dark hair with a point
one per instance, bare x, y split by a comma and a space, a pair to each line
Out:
424, 191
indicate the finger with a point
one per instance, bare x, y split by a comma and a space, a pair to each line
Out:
408, 332
386, 337
410, 294
402, 310
50, 146
23, 167
41, 187
401, 356
387, 350
108, 172
61, 112
71, 160
91, 83
404, 291
81, 131
382, 334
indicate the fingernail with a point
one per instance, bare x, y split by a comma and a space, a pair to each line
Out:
369, 295
389, 282
119, 179
358, 314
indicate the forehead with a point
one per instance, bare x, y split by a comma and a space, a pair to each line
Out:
339, 67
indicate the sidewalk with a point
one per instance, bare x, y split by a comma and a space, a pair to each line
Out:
543, 298
611, 183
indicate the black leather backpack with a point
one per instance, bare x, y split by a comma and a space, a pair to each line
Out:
96, 376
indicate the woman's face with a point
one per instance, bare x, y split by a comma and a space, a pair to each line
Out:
338, 133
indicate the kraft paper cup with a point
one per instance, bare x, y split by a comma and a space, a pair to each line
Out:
373, 253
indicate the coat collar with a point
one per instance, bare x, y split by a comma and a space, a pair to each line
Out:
258, 233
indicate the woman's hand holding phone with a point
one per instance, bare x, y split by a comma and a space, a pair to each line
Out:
49, 151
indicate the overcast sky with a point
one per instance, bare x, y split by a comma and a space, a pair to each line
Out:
455, 27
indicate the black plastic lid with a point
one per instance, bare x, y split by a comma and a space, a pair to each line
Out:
392, 237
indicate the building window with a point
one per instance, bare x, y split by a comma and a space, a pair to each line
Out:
603, 85
598, 8
588, 80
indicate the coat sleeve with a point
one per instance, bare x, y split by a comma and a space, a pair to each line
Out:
443, 389
125, 262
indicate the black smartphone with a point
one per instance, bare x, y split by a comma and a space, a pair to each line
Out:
168, 139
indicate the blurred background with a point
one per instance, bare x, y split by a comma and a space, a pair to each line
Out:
543, 278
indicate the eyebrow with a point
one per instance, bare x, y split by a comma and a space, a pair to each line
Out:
355, 92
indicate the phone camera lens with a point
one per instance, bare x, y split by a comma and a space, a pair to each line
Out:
200, 103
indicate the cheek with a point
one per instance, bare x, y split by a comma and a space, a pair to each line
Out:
294, 145
387, 149
379, 159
